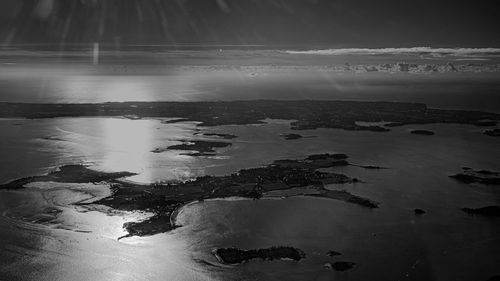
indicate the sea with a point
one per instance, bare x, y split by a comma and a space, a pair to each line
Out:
44, 235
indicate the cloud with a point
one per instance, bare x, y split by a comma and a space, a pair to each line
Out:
459, 52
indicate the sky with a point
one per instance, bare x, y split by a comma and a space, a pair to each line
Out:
307, 23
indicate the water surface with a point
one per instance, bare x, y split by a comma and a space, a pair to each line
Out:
389, 242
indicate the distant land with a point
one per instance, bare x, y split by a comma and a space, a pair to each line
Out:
306, 114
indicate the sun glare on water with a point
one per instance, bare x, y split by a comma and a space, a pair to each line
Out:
127, 145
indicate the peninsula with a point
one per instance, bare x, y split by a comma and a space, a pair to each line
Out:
164, 200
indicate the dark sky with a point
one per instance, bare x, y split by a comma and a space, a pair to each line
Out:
334, 23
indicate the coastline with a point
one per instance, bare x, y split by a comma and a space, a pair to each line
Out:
165, 201
373, 179
247, 112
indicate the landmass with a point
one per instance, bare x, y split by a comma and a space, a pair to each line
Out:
492, 133
68, 174
164, 200
369, 167
238, 256
132, 117
173, 121
332, 253
486, 123
469, 175
325, 156
202, 147
292, 136
422, 132
418, 212
489, 211
307, 114
394, 124
224, 136
339, 266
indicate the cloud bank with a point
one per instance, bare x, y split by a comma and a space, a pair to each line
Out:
422, 51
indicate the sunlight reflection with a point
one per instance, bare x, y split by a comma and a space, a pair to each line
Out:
127, 145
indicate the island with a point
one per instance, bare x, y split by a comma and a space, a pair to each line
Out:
332, 253
339, 266
68, 174
220, 135
486, 123
292, 136
132, 117
469, 175
422, 132
237, 256
164, 200
368, 167
488, 211
394, 124
492, 133
418, 212
306, 114
200, 147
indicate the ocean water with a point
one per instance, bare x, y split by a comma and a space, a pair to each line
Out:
45, 237
389, 242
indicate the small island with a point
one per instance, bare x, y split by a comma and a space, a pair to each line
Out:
469, 175
339, 266
422, 132
418, 212
292, 136
368, 167
224, 136
237, 256
201, 147
394, 124
132, 117
488, 211
486, 123
332, 253
68, 174
492, 133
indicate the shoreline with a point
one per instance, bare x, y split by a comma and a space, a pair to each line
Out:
166, 201
308, 114
235, 256
180, 209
